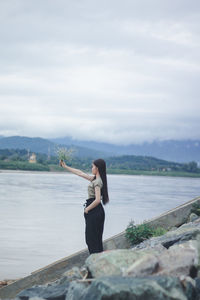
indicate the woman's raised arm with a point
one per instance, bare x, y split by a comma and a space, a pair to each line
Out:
76, 171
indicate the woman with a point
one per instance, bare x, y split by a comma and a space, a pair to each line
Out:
94, 212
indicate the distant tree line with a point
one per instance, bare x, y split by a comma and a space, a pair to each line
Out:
17, 158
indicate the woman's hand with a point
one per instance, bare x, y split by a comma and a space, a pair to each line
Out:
86, 210
62, 163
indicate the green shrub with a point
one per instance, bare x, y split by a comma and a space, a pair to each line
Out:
196, 208
138, 233
159, 231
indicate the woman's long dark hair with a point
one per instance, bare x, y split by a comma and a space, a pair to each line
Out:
101, 165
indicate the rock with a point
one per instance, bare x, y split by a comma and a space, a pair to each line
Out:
36, 298
173, 228
123, 288
76, 290
144, 266
152, 243
183, 233
197, 284
114, 262
192, 217
51, 292
68, 291
197, 221
189, 286
179, 260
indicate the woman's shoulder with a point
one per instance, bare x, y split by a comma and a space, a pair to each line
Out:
98, 181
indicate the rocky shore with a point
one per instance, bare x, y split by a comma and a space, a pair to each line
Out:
164, 267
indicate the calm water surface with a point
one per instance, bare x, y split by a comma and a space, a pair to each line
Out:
41, 214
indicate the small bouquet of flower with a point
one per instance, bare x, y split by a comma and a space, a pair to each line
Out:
64, 153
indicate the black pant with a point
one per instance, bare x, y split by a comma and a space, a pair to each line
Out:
94, 221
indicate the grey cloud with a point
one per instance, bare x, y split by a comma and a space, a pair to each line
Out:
126, 71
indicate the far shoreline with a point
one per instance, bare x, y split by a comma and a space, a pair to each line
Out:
111, 172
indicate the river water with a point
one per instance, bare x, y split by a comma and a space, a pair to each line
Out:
41, 213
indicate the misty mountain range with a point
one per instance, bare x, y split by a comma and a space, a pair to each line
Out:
170, 150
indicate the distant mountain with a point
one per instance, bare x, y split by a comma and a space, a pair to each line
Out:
178, 151
45, 146
21, 142
108, 149
170, 150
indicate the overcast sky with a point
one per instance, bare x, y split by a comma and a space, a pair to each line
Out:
114, 71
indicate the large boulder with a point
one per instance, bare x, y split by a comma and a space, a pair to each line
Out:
124, 288
49, 292
113, 262
178, 260
72, 290
181, 259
